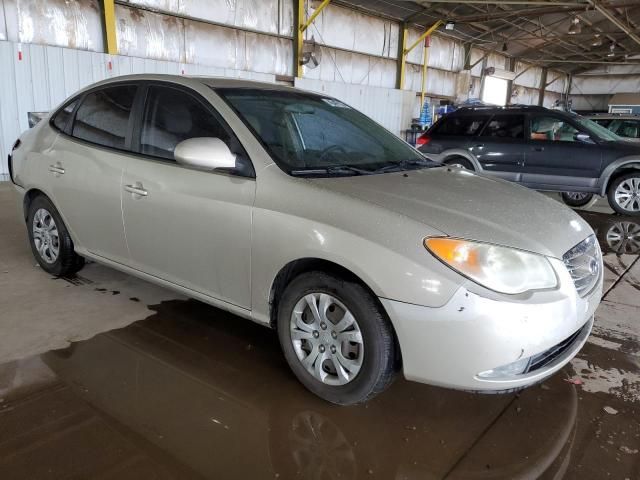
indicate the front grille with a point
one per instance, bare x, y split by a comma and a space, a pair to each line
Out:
584, 262
545, 358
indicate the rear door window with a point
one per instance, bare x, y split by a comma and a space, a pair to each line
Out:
460, 125
505, 126
103, 116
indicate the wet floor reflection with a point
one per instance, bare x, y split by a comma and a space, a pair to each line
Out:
217, 400
617, 234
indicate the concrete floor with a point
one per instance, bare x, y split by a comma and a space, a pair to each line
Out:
158, 386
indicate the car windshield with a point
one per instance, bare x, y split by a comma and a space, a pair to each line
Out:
601, 132
312, 135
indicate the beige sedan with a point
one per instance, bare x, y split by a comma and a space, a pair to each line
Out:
296, 211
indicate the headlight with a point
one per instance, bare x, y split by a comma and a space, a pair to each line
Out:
502, 269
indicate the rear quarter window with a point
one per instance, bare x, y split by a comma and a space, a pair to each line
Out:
460, 125
62, 116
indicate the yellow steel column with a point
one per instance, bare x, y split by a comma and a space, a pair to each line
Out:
403, 50
109, 20
425, 59
402, 58
298, 35
298, 38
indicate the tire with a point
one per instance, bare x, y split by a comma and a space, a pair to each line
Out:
577, 199
49, 239
459, 162
624, 194
349, 372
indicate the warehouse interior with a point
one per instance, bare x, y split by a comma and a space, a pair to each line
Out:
105, 375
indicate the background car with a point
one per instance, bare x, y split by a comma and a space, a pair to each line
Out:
541, 149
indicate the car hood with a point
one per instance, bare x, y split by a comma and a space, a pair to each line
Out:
471, 206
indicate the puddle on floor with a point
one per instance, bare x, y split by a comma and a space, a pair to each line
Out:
195, 392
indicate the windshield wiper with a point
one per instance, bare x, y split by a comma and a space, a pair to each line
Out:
331, 170
406, 165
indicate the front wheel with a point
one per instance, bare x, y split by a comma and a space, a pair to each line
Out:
624, 194
577, 199
336, 339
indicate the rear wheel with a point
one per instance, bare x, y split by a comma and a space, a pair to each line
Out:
459, 162
624, 194
50, 241
577, 199
335, 338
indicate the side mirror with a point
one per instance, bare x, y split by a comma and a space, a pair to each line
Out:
207, 153
582, 137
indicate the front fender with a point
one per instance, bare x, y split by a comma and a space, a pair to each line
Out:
411, 276
631, 161
461, 152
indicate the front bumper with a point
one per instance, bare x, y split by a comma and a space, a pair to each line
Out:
449, 346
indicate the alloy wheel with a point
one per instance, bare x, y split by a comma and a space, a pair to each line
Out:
577, 196
45, 235
326, 338
624, 238
627, 194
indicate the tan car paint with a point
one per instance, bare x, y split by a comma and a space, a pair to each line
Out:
224, 239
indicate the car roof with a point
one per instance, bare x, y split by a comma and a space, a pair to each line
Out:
214, 82
613, 116
492, 109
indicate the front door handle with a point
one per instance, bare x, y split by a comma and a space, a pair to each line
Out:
136, 189
56, 169
537, 149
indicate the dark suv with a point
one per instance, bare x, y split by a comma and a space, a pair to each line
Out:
542, 149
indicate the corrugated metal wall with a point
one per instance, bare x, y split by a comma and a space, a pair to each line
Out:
37, 78
230, 38
389, 107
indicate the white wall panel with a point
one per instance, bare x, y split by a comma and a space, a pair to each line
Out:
390, 107
73, 24
347, 29
550, 98
590, 102
351, 67
262, 15
47, 75
445, 54
165, 37
524, 95
496, 60
475, 56
439, 82
531, 76
556, 81
3, 23
605, 84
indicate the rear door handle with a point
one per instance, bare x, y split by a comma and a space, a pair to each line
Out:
537, 149
480, 146
57, 169
136, 189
